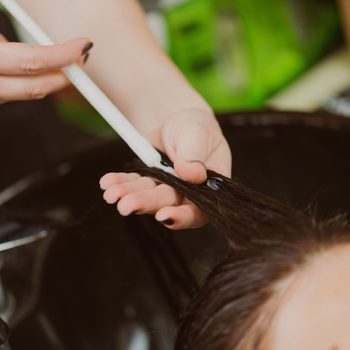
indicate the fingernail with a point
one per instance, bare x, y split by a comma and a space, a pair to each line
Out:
87, 48
168, 222
86, 57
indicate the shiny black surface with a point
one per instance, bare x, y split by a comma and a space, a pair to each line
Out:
106, 281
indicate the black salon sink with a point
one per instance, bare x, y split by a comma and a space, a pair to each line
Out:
106, 282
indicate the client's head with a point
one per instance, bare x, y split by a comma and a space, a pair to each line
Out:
285, 284
286, 296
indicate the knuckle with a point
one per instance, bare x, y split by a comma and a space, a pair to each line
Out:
119, 192
147, 181
113, 192
134, 200
34, 64
124, 204
114, 178
201, 129
108, 178
36, 92
118, 178
162, 188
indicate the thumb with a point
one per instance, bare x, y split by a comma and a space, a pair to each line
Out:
191, 152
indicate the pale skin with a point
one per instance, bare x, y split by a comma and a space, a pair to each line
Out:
25, 76
314, 309
134, 72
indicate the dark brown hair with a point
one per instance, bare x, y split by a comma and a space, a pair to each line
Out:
269, 241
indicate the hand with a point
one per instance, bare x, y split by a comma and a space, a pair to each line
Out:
193, 140
32, 72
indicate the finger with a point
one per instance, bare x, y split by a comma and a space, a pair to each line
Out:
2, 38
192, 171
181, 217
23, 59
116, 192
149, 201
221, 160
31, 88
117, 178
192, 150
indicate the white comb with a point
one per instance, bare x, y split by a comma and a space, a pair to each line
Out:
141, 147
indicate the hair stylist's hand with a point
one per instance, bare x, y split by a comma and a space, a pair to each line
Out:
32, 72
193, 141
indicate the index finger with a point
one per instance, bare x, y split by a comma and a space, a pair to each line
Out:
23, 59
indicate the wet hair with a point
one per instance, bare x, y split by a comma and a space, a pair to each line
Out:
269, 241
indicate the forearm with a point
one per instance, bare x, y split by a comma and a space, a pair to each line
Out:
126, 61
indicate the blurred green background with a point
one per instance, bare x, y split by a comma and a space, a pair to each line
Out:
236, 53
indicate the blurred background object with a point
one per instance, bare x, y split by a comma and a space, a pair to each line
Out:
236, 53
345, 13
317, 86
